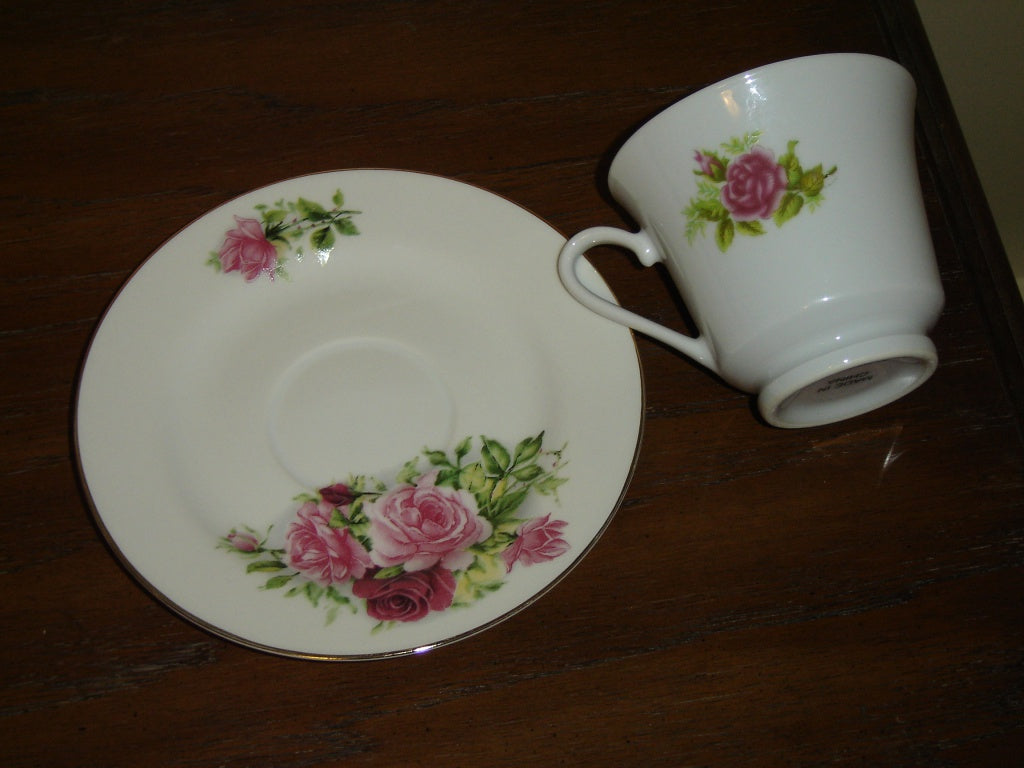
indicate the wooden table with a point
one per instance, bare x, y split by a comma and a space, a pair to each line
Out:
845, 595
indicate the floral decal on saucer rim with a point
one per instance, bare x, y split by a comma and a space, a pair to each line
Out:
261, 246
742, 185
441, 537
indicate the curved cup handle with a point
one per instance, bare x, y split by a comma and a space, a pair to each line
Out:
645, 250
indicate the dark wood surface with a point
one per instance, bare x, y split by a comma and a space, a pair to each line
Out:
845, 595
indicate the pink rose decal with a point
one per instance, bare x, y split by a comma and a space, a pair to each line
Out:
324, 554
754, 185
408, 596
742, 185
247, 250
435, 539
419, 526
537, 540
261, 246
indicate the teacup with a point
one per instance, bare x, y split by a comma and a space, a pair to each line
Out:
786, 205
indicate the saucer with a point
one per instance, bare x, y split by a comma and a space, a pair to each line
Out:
355, 415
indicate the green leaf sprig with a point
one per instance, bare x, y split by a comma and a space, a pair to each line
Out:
288, 222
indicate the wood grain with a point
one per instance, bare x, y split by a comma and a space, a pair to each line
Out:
845, 595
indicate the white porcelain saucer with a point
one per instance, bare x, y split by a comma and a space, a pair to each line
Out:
355, 415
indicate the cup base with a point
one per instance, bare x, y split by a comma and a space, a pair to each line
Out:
848, 382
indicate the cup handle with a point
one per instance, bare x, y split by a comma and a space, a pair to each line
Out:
645, 250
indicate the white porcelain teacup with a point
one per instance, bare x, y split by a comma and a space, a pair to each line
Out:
786, 205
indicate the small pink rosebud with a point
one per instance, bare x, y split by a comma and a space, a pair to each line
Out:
536, 540
710, 166
243, 542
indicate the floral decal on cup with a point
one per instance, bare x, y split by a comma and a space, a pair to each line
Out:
743, 185
440, 537
260, 246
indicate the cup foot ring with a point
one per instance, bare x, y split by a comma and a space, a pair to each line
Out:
848, 382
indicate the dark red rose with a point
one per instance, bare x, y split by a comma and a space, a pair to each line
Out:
408, 596
338, 495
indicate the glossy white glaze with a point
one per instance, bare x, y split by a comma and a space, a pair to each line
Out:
838, 259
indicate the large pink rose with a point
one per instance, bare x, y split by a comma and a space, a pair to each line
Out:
419, 526
408, 596
754, 185
537, 540
247, 250
324, 554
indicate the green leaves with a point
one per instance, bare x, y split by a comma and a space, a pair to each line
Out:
528, 448
739, 145
276, 582
549, 485
463, 448
472, 478
322, 240
803, 186
812, 182
265, 565
710, 210
706, 207
727, 230
724, 234
495, 457
389, 573
528, 473
322, 225
788, 208
409, 472
791, 164
311, 211
501, 479
754, 227
314, 593
345, 226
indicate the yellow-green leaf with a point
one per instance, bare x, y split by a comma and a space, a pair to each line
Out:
724, 234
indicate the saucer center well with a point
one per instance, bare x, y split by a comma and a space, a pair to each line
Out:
357, 406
